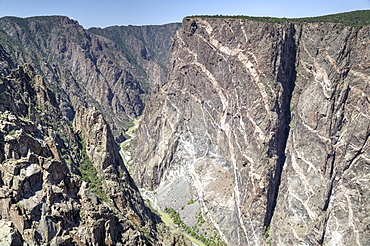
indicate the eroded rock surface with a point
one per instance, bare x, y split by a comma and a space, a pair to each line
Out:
324, 191
112, 70
269, 125
62, 184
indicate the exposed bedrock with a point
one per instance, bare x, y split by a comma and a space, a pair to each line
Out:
268, 124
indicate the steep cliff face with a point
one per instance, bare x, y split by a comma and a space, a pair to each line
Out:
146, 47
64, 184
324, 191
88, 68
266, 127
6, 62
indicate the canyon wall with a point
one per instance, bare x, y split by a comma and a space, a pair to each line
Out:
259, 135
63, 183
114, 73
62, 179
265, 126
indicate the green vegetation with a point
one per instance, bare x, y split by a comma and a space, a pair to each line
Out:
356, 18
90, 175
38, 108
194, 230
199, 216
63, 151
267, 232
11, 133
191, 202
134, 125
55, 125
32, 82
130, 134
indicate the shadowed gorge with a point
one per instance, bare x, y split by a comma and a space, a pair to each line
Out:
286, 76
232, 130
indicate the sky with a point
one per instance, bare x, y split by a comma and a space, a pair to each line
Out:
103, 13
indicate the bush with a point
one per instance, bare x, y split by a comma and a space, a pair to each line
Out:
193, 231
90, 175
191, 201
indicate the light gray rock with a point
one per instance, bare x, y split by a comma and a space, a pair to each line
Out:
9, 236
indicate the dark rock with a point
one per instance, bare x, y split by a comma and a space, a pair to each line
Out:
112, 69
268, 124
43, 199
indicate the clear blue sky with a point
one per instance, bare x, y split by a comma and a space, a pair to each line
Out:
102, 13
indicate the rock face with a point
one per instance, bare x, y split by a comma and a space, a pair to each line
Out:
63, 184
113, 73
268, 125
324, 191
146, 47
261, 131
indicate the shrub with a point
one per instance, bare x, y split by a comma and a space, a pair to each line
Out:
191, 201
90, 175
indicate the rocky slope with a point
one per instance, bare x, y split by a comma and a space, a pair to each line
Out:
63, 183
147, 48
113, 73
265, 126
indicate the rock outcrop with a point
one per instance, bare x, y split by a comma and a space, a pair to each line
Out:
266, 127
64, 184
114, 74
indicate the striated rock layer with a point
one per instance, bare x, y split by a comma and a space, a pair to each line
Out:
268, 125
324, 192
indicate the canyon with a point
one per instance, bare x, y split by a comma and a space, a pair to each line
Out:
103, 71
251, 131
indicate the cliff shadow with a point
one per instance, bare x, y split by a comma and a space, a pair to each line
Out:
286, 76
